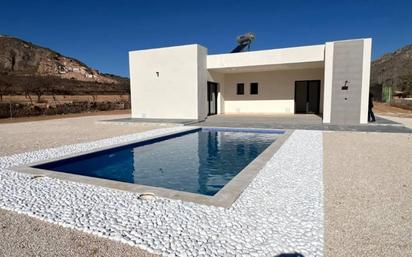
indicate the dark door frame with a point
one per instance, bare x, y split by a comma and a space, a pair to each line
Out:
307, 94
211, 85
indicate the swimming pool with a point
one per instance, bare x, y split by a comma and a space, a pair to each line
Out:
199, 161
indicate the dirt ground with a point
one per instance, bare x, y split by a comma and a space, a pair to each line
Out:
30, 136
387, 110
23, 236
368, 194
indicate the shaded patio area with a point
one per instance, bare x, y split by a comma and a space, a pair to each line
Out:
297, 121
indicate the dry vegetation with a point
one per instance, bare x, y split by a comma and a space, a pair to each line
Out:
23, 95
35, 80
29, 85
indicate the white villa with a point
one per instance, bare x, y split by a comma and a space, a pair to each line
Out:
184, 82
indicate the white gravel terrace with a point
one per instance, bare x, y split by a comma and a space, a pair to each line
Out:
281, 211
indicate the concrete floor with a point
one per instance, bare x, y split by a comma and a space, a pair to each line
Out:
297, 121
407, 122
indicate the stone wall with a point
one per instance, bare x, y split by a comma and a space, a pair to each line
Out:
405, 103
8, 110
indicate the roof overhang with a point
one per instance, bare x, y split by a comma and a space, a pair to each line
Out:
306, 57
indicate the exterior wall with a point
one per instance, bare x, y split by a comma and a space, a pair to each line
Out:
366, 73
285, 56
169, 83
351, 60
327, 92
219, 78
202, 75
276, 91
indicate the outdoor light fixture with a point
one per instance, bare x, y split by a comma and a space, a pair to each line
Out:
345, 87
157, 73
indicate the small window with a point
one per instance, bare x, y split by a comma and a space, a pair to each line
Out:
254, 88
240, 89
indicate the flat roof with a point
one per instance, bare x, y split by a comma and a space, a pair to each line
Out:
314, 54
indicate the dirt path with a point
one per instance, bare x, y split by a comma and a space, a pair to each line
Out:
30, 136
23, 236
368, 194
386, 109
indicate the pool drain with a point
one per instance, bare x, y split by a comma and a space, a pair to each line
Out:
37, 176
146, 196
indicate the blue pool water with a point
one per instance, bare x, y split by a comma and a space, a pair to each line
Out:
200, 161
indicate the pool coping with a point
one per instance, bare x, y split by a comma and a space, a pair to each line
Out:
225, 197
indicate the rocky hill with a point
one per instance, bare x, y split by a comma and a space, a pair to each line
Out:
394, 69
21, 61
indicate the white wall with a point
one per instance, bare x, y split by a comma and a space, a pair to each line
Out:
169, 83
219, 78
327, 93
366, 72
202, 76
292, 55
276, 90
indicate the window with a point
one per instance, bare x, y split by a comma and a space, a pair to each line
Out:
254, 88
240, 89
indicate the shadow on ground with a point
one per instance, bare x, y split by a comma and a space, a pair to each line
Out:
290, 255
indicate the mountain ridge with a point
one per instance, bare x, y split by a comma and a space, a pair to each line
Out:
21, 56
393, 69
22, 61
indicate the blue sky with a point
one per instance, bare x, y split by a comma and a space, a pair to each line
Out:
101, 33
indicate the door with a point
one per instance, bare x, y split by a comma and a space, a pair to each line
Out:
212, 97
313, 97
307, 96
300, 96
